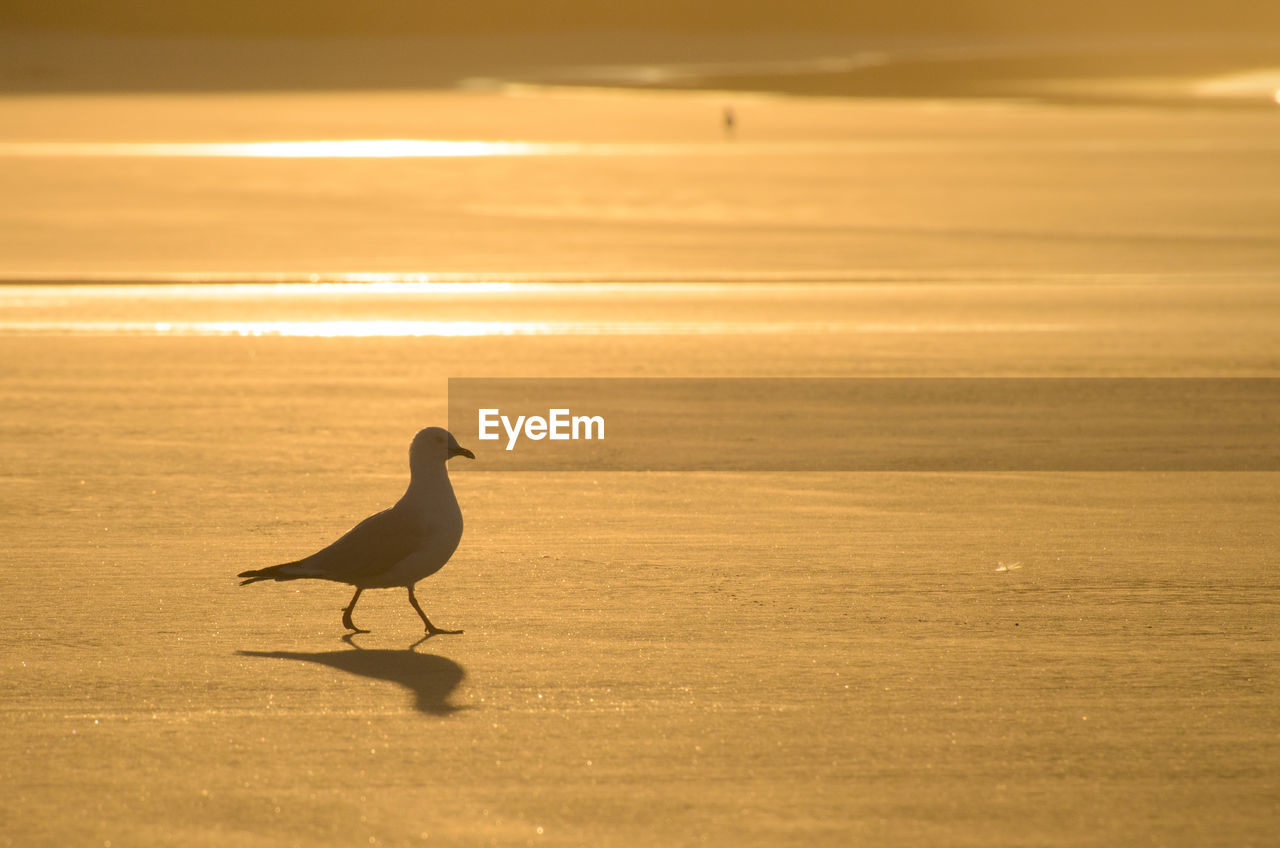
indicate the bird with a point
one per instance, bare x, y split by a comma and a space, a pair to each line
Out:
398, 546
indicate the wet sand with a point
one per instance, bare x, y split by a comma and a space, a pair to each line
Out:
735, 658
720, 658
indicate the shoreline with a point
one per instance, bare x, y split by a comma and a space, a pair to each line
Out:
1212, 70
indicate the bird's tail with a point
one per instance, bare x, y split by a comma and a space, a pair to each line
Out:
287, 571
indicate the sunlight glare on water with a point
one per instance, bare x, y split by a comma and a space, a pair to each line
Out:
481, 308
404, 148
421, 148
377, 148
401, 329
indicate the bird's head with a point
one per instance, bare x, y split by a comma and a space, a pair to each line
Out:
435, 446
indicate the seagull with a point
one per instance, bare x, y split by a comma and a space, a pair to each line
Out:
398, 546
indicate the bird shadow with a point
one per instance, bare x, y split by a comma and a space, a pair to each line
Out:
430, 678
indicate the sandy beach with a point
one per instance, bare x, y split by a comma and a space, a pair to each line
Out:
985, 659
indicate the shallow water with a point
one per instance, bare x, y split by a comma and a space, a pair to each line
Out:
645, 186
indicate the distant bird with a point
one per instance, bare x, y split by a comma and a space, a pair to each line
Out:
398, 546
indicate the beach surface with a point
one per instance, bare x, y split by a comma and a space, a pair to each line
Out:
811, 658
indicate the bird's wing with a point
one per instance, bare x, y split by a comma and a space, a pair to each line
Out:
370, 548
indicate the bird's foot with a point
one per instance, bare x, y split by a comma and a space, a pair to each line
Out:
436, 631
347, 623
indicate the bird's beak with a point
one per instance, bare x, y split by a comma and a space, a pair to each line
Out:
461, 451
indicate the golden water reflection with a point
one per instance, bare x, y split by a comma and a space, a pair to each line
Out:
444, 308
423, 148
402, 329
395, 148
376, 148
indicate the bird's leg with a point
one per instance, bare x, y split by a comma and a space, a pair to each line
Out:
346, 613
432, 630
